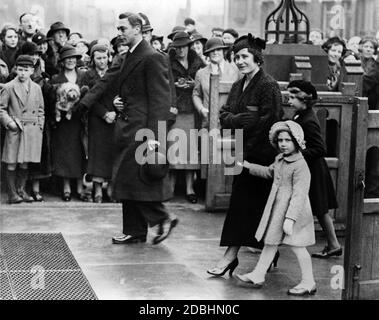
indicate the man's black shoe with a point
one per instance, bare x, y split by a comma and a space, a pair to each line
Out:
164, 229
128, 239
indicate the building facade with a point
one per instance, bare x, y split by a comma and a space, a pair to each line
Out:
345, 18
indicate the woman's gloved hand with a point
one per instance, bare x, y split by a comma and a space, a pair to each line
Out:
243, 119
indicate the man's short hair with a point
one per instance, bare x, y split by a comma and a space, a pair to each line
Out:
24, 14
134, 19
188, 21
217, 29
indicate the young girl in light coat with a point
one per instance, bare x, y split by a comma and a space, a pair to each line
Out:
287, 218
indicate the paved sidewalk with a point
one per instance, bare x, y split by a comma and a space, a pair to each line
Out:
174, 269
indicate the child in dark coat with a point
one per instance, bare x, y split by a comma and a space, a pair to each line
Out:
302, 96
287, 218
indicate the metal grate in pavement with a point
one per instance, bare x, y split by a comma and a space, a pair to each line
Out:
5, 288
40, 266
25, 251
2, 264
51, 285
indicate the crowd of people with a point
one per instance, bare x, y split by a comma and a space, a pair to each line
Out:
78, 150
80, 147
71, 108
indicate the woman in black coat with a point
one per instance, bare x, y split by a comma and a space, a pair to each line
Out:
302, 96
254, 104
101, 120
67, 148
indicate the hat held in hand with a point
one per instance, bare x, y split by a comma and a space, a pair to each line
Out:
155, 166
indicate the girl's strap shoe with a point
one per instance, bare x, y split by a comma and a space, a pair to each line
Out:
302, 291
245, 278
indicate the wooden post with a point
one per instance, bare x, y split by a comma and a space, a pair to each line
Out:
355, 199
351, 71
212, 171
302, 64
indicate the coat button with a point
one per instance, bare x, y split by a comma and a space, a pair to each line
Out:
33, 112
34, 124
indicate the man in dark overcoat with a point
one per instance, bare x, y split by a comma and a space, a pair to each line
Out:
144, 88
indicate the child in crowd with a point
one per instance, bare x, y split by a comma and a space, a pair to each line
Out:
287, 218
302, 97
22, 114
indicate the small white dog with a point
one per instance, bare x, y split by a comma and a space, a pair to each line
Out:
68, 94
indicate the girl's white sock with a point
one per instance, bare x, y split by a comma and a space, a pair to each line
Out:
305, 263
264, 262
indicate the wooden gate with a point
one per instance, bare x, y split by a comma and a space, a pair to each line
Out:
361, 261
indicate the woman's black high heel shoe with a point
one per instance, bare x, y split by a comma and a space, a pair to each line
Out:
220, 272
274, 263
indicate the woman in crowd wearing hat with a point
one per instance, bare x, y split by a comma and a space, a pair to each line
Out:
254, 104
302, 97
10, 45
67, 148
198, 46
215, 50
287, 217
101, 120
229, 36
157, 42
58, 36
74, 38
46, 52
336, 50
171, 36
185, 63
120, 47
368, 48
82, 46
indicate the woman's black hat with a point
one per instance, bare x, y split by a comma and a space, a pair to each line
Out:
181, 39
158, 38
39, 38
334, 40
56, 27
214, 44
304, 86
68, 51
174, 31
250, 42
198, 37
